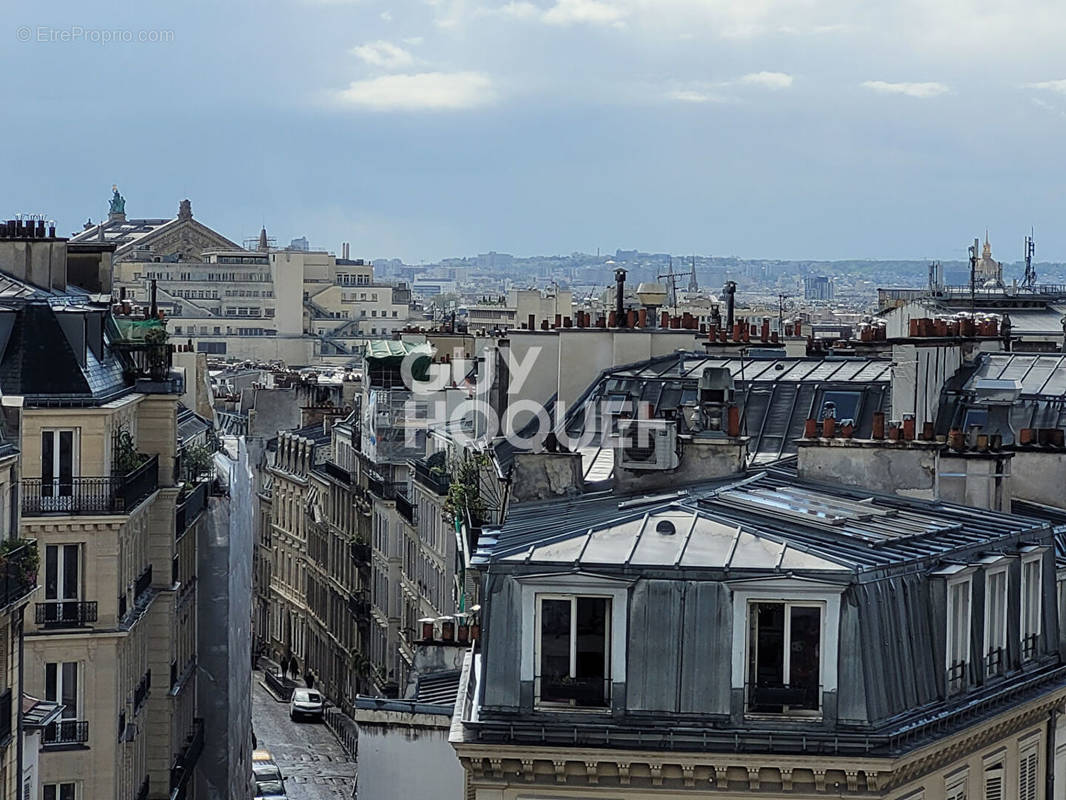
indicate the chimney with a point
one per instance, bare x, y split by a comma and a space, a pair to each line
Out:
344, 251
619, 297
730, 290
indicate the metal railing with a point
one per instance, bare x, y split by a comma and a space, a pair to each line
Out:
181, 772
140, 694
577, 692
406, 509
956, 677
1029, 646
142, 793
337, 472
65, 613
143, 583
782, 698
359, 604
189, 508
73, 496
151, 360
360, 552
66, 731
18, 575
436, 481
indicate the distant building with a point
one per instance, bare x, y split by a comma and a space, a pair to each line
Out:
293, 305
516, 308
817, 287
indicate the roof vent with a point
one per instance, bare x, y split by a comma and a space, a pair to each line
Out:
665, 527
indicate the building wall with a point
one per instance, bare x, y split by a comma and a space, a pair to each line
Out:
406, 755
131, 643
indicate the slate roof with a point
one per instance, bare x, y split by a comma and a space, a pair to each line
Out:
1040, 379
122, 232
776, 396
765, 521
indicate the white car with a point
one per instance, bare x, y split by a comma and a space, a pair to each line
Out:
306, 703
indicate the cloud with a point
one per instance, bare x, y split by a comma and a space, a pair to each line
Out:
692, 96
920, 90
519, 9
385, 55
768, 80
596, 12
386, 16
425, 91
1058, 86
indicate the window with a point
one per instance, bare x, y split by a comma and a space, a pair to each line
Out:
958, 650
58, 468
995, 621
573, 651
994, 780
1028, 768
61, 686
784, 657
59, 791
61, 585
955, 787
844, 405
1031, 606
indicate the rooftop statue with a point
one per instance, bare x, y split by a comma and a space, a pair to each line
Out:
118, 202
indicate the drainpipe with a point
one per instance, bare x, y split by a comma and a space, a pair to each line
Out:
18, 699
1049, 758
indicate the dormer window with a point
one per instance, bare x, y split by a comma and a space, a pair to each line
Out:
996, 621
958, 629
573, 651
1031, 605
784, 657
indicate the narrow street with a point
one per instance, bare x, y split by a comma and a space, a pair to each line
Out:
313, 763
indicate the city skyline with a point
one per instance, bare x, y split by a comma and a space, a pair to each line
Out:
452, 126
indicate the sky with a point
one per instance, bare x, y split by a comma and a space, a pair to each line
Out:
423, 129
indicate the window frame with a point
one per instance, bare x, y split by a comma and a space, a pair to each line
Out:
537, 631
788, 605
951, 630
1029, 748
1030, 639
956, 785
579, 583
996, 665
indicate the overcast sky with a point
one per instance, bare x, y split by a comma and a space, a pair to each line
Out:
431, 128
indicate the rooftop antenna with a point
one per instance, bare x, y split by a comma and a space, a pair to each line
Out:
1030, 272
973, 276
783, 305
673, 276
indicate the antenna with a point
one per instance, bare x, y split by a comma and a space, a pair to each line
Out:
973, 276
1030, 272
673, 276
782, 306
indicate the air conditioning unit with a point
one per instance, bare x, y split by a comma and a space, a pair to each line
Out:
646, 444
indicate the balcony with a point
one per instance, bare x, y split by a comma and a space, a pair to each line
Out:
140, 694
359, 605
18, 570
181, 772
360, 552
90, 496
336, 472
433, 478
143, 583
189, 508
148, 364
65, 613
142, 793
66, 732
406, 509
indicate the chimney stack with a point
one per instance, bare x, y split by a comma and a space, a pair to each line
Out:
619, 297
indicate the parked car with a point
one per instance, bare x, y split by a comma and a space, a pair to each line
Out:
270, 789
306, 703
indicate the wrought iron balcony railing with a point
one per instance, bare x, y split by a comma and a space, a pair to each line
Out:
65, 613
181, 772
189, 508
144, 581
96, 496
18, 572
66, 731
779, 698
